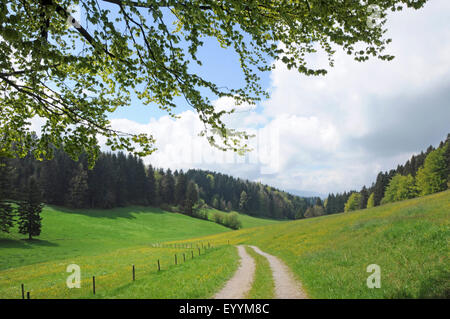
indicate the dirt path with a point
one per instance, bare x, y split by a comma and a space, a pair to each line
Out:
238, 286
286, 286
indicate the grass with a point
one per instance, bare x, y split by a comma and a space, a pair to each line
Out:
105, 244
75, 233
246, 220
330, 254
199, 278
263, 284
196, 277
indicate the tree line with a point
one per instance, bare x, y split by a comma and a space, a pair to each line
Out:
119, 180
423, 174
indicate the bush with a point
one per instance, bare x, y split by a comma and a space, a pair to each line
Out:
232, 221
201, 214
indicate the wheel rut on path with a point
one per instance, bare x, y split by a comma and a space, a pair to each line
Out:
286, 286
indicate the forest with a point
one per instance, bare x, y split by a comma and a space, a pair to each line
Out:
119, 180
423, 174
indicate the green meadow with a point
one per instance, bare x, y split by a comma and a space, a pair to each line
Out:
72, 233
328, 254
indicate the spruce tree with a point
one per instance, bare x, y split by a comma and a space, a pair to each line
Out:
364, 197
29, 210
78, 188
180, 188
6, 211
243, 202
191, 198
151, 186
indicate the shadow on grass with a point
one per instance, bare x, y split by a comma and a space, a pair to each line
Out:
437, 286
25, 243
113, 213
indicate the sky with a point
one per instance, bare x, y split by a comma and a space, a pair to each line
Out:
321, 134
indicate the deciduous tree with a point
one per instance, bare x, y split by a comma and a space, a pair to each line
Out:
72, 74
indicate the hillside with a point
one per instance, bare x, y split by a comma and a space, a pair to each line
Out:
69, 233
330, 254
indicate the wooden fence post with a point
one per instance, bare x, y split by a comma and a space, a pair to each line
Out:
192, 252
28, 295
199, 251
23, 292
93, 284
175, 259
134, 276
159, 267
184, 257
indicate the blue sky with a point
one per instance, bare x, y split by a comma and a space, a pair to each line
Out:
321, 134
219, 66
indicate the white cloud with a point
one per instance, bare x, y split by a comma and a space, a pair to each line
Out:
334, 133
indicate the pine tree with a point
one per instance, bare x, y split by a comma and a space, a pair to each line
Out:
78, 188
364, 197
243, 202
191, 198
180, 188
167, 188
151, 186
29, 210
380, 186
6, 210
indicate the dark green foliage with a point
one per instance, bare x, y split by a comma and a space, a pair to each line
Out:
6, 210
29, 210
167, 189
336, 203
364, 197
151, 187
243, 202
180, 188
118, 180
78, 188
191, 198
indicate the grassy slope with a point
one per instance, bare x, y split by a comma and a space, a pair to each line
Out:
330, 254
105, 243
200, 277
72, 233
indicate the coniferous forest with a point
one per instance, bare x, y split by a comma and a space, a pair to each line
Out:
119, 180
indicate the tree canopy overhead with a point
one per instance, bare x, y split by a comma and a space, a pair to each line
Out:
73, 76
